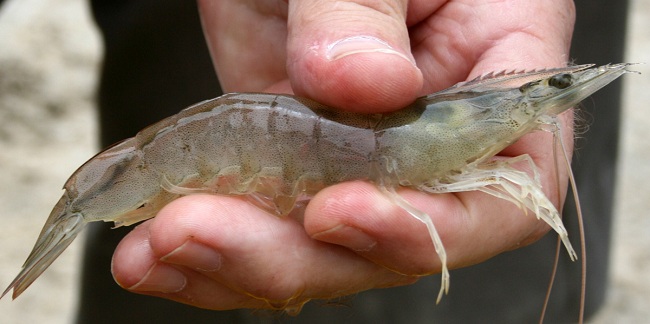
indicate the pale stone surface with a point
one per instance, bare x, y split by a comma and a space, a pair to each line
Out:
49, 54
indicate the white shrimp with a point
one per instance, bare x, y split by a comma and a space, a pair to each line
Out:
274, 149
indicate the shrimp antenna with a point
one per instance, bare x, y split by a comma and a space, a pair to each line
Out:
557, 139
556, 133
581, 228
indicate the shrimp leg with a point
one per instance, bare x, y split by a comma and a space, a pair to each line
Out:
502, 180
387, 181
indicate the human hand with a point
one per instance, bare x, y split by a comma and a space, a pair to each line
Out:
221, 253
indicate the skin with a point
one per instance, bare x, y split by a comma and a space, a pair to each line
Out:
222, 253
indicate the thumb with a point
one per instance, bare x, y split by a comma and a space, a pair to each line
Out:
352, 56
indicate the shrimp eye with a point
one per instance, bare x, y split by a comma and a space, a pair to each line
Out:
560, 81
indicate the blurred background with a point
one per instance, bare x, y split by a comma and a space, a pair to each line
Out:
49, 58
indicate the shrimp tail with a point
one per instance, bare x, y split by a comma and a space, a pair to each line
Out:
59, 231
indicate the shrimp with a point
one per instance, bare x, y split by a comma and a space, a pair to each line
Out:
275, 150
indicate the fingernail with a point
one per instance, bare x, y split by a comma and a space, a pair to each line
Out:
194, 255
347, 236
362, 44
161, 278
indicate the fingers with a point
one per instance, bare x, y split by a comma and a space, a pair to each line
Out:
341, 53
351, 55
359, 56
136, 267
463, 41
221, 253
473, 226
541, 34
247, 42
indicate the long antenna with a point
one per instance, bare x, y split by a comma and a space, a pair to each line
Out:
581, 227
557, 138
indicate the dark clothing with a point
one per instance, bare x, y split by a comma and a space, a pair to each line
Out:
157, 63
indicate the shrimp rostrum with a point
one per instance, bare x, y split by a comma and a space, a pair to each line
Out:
277, 149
